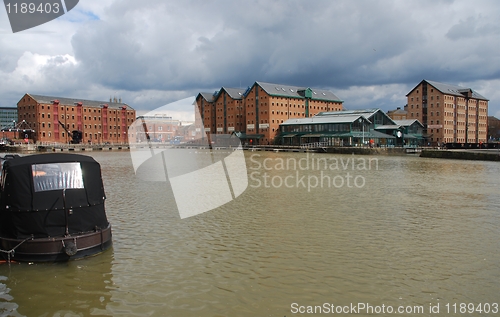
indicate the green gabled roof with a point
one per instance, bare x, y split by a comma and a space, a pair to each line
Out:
325, 119
367, 113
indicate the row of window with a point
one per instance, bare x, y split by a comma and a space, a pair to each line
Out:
424, 98
73, 126
251, 105
87, 135
29, 116
96, 110
327, 127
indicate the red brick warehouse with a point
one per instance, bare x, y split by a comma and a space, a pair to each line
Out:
52, 118
255, 114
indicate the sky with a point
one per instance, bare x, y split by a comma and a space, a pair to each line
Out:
151, 53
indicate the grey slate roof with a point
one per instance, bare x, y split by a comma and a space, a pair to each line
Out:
71, 101
407, 122
295, 91
451, 89
367, 113
208, 96
397, 111
234, 93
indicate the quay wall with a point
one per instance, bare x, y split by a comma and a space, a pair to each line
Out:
462, 155
61, 148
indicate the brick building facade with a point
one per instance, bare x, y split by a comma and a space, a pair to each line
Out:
256, 113
398, 114
493, 129
158, 127
449, 113
51, 118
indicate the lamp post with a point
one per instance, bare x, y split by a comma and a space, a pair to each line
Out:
363, 126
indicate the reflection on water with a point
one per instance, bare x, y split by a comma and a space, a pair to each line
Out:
78, 288
418, 231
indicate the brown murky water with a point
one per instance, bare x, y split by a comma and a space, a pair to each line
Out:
403, 231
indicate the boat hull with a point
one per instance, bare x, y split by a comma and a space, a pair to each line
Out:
56, 249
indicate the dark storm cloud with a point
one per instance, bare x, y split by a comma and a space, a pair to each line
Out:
373, 52
320, 43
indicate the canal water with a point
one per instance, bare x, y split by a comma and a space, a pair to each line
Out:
309, 232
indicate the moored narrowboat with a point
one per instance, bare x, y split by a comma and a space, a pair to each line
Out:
52, 208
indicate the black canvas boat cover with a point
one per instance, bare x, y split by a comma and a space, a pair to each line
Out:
37, 191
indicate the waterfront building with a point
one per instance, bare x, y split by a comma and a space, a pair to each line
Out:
53, 119
361, 127
206, 111
493, 129
223, 111
345, 130
398, 114
159, 128
8, 117
255, 114
8, 120
269, 105
188, 132
229, 110
408, 133
449, 113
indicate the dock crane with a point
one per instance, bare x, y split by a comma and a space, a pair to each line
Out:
76, 135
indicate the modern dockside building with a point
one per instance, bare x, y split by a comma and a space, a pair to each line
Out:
8, 121
53, 119
449, 113
8, 117
255, 114
351, 128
